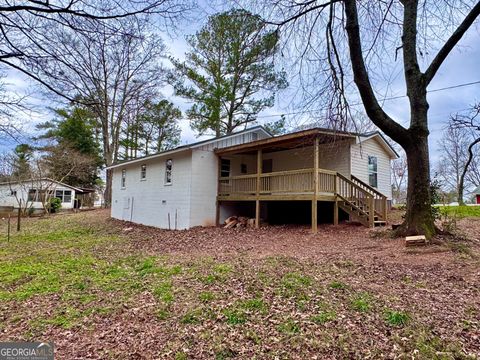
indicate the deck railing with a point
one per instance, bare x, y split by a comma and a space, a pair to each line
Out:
366, 199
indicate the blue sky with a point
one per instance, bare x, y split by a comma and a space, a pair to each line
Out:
463, 66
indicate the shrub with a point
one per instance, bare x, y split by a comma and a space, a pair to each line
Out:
54, 204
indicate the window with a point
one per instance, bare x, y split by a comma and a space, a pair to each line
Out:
64, 195
372, 171
224, 168
143, 172
243, 168
123, 182
35, 195
168, 171
32, 195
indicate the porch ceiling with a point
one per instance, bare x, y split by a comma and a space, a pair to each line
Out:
286, 142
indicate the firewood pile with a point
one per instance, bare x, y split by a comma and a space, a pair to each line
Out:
239, 221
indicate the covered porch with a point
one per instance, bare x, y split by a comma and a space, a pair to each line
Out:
306, 166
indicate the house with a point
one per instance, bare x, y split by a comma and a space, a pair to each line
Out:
33, 193
476, 193
313, 175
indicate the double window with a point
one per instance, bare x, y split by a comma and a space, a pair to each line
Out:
372, 171
168, 171
35, 195
64, 195
143, 172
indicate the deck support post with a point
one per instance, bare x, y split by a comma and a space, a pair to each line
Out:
217, 203
371, 214
257, 201
315, 186
335, 212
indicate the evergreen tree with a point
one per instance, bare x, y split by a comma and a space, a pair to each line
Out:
227, 71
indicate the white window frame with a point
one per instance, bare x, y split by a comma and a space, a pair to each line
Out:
143, 172
60, 194
123, 179
168, 171
373, 171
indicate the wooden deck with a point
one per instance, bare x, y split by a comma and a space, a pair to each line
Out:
359, 200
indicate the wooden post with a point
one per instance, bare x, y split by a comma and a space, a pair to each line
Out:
217, 203
8, 228
315, 187
335, 211
257, 201
385, 210
371, 212
19, 215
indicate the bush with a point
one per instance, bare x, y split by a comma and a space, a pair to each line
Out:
54, 204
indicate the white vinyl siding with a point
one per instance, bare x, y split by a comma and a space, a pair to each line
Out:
150, 202
359, 164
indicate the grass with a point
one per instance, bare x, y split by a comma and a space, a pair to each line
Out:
461, 211
75, 274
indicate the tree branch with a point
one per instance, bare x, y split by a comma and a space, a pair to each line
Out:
451, 42
361, 78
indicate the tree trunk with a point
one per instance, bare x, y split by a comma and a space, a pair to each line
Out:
461, 183
418, 218
108, 188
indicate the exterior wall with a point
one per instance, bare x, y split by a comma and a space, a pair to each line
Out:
203, 188
359, 164
7, 199
335, 157
150, 201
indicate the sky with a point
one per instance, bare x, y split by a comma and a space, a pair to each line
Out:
461, 67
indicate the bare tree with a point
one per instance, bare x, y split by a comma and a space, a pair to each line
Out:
336, 41
453, 149
111, 73
470, 122
399, 178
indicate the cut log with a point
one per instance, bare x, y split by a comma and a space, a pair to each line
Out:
230, 219
231, 224
251, 223
243, 220
415, 240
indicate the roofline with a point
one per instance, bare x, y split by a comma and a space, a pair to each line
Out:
42, 179
149, 157
185, 147
285, 137
389, 146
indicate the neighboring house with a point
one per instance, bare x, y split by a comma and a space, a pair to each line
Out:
251, 173
33, 194
476, 193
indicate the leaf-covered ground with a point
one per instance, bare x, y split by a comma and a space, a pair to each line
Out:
100, 288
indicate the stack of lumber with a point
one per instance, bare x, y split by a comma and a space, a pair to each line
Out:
238, 221
416, 240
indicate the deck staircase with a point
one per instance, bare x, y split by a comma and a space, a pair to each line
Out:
362, 202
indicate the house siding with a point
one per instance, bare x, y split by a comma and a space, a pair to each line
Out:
151, 201
6, 199
203, 188
359, 164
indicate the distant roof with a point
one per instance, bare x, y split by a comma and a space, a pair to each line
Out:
43, 179
188, 146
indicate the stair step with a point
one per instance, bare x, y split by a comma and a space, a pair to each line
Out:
379, 223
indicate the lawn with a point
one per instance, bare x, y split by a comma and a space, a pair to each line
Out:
101, 288
461, 211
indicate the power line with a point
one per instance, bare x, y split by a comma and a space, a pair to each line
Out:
384, 99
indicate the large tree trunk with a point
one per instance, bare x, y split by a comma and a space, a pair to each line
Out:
108, 188
418, 218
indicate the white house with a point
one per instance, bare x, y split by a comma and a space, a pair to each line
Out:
252, 173
33, 193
